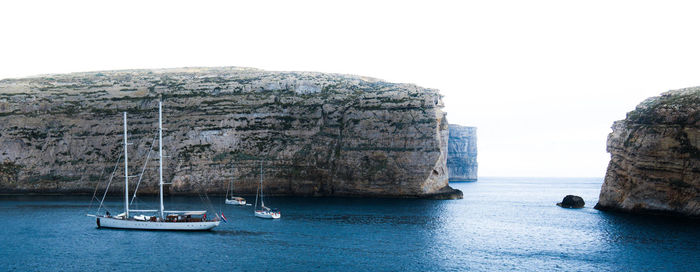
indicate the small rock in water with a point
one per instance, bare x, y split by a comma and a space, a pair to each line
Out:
572, 201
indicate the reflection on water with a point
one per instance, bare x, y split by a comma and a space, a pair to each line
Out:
226, 232
501, 224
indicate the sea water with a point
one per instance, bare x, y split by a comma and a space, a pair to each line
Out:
501, 224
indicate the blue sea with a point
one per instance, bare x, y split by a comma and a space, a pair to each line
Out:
501, 224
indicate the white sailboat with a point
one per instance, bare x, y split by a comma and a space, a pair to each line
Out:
159, 219
233, 200
264, 212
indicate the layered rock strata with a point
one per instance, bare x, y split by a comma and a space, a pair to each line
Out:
655, 157
461, 153
316, 134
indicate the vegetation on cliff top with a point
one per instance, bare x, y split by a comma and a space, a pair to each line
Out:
677, 107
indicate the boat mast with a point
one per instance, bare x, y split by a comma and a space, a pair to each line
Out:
126, 172
160, 149
262, 202
228, 188
231, 183
256, 197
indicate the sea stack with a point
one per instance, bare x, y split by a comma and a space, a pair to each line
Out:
461, 157
317, 134
655, 157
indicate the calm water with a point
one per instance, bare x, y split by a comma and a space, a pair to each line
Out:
501, 224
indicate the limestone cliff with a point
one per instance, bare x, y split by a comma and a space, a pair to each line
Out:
461, 154
655, 157
317, 134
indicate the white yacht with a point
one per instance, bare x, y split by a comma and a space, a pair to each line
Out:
159, 219
233, 200
264, 212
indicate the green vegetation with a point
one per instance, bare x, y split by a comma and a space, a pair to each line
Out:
687, 147
236, 156
381, 148
189, 151
10, 168
374, 164
31, 134
679, 183
94, 178
53, 178
103, 111
10, 113
128, 98
655, 110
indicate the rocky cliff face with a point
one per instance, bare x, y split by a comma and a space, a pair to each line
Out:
461, 155
317, 134
655, 157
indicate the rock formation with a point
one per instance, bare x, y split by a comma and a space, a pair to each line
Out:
317, 134
572, 202
655, 157
461, 155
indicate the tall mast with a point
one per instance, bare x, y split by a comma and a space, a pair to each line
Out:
233, 180
126, 172
256, 197
262, 202
228, 189
160, 149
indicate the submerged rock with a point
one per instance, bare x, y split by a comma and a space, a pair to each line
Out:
572, 201
318, 134
461, 155
655, 157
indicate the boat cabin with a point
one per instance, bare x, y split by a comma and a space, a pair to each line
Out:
195, 216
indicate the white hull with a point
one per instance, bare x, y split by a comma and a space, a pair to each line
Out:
105, 222
175, 220
235, 202
268, 215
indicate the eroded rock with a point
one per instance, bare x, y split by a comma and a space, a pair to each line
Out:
318, 134
572, 202
655, 157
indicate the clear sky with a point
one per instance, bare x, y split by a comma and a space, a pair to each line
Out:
542, 80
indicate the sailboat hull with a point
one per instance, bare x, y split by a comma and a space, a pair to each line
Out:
105, 222
235, 202
268, 215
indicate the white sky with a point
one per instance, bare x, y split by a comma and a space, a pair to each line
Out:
543, 80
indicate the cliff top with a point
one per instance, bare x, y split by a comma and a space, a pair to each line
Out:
670, 108
120, 83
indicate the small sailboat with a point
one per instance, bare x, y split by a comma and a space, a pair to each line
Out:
233, 200
160, 219
264, 212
